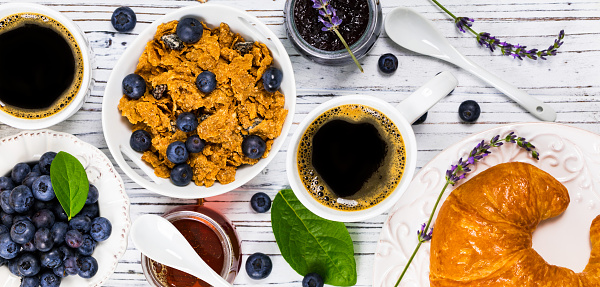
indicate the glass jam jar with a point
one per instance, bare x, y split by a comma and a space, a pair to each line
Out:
212, 236
303, 28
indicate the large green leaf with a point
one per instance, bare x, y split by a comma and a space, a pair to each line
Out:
70, 183
310, 243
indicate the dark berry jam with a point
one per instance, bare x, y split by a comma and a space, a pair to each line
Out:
355, 19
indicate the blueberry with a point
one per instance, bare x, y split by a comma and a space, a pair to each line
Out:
469, 111
312, 280
43, 218
187, 122
22, 231
60, 271
58, 232
46, 161
19, 172
87, 246
88, 266
49, 279
253, 146
4, 229
388, 63
21, 198
272, 78
66, 252
43, 240
42, 188
7, 219
92, 195
140, 141
81, 223
101, 229
6, 183
181, 174
194, 144
51, 259
206, 82
20, 217
8, 248
134, 86
421, 119
189, 30
14, 268
32, 281
258, 266
260, 202
73, 238
123, 19
29, 246
71, 266
36, 168
28, 264
177, 153
59, 211
5, 202
90, 210
30, 178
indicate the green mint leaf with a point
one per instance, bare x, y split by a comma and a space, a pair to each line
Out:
310, 243
70, 183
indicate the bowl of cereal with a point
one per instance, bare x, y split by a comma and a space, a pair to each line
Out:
28, 148
200, 102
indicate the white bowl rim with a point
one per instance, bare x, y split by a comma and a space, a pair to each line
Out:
192, 191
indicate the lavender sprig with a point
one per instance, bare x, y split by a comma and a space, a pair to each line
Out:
331, 22
492, 43
458, 172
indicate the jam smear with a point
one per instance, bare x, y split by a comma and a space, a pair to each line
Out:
206, 243
355, 19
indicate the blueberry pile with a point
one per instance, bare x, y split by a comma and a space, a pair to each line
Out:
37, 241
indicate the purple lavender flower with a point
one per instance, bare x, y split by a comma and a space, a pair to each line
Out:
423, 235
462, 22
328, 15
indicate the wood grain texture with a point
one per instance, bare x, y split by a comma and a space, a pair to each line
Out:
569, 82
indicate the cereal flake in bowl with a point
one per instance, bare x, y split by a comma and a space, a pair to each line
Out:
237, 49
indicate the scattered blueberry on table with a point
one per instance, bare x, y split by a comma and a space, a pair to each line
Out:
253, 146
421, 119
258, 266
469, 111
206, 82
272, 78
189, 30
388, 63
134, 86
312, 280
260, 202
123, 19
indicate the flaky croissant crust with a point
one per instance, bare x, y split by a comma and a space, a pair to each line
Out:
483, 232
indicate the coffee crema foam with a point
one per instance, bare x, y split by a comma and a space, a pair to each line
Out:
380, 184
19, 20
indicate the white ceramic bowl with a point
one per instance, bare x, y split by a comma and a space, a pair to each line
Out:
86, 52
117, 130
114, 204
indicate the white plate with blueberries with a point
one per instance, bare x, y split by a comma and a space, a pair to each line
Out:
118, 131
49, 244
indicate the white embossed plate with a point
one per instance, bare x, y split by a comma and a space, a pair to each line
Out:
113, 200
569, 154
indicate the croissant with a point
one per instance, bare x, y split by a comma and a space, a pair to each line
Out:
483, 232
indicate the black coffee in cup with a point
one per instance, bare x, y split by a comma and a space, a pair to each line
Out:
41, 66
351, 157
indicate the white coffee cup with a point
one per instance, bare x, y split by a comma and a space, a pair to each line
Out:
403, 115
86, 83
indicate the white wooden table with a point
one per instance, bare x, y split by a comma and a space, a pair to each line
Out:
569, 82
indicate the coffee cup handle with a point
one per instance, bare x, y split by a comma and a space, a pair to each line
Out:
426, 96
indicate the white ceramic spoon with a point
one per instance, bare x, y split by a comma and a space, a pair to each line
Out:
158, 239
414, 32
